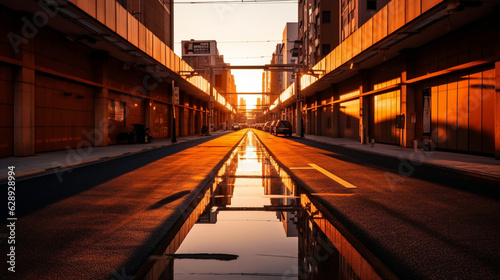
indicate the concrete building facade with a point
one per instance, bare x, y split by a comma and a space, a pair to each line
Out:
318, 29
157, 16
354, 13
423, 70
223, 80
289, 57
272, 80
76, 74
324, 24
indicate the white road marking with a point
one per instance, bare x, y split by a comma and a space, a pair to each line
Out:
333, 177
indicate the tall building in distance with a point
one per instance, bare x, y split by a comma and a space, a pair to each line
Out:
157, 16
290, 34
272, 81
276, 82
318, 29
241, 116
323, 25
201, 55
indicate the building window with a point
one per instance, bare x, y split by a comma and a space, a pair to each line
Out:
371, 4
116, 111
325, 17
348, 122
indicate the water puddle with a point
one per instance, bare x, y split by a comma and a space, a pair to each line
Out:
252, 222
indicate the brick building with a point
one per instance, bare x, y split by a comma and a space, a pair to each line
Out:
434, 62
75, 74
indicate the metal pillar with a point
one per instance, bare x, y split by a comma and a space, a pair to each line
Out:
298, 131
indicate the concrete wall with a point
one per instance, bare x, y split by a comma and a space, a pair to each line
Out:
460, 71
58, 92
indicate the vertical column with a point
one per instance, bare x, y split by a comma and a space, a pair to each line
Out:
101, 118
101, 125
408, 100
24, 112
409, 110
335, 120
335, 115
211, 101
149, 115
364, 114
497, 109
364, 106
316, 116
299, 124
24, 101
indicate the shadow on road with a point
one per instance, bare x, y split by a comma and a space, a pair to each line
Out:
168, 199
417, 170
39, 192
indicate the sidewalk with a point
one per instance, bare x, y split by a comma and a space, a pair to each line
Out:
472, 164
53, 161
58, 160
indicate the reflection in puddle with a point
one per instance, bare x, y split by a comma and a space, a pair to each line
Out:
251, 223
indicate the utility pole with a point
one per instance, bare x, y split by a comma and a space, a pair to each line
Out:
299, 131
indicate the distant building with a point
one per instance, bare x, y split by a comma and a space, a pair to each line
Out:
324, 24
276, 82
289, 57
273, 81
223, 79
242, 111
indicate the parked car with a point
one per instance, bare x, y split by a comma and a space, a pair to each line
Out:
267, 126
236, 126
272, 125
282, 127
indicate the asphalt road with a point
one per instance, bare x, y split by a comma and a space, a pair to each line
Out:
421, 221
103, 220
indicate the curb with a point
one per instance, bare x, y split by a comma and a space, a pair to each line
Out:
428, 164
41, 172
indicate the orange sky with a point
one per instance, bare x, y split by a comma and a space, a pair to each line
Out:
233, 25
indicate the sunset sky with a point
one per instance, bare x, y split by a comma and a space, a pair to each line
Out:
246, 33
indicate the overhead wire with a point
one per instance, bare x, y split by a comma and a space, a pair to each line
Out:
243, 42
237, 2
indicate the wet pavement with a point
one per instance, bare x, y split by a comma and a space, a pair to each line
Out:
252, 222
102, 221
422, 222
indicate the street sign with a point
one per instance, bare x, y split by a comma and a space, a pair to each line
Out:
176, 96
199, 48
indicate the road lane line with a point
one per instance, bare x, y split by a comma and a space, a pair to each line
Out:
333, 177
